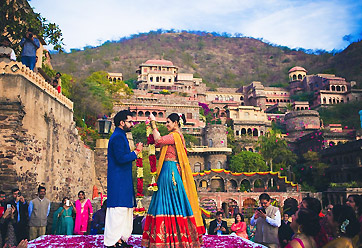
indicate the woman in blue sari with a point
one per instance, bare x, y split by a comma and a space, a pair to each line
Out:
63, 223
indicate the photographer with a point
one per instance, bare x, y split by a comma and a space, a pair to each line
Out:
29, 44
267, 220
20, 214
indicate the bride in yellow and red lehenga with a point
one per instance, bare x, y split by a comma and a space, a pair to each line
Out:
173, 218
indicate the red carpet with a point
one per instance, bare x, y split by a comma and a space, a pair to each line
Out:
88, 241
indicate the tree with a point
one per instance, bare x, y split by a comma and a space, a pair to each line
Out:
346, 114
16, 16
139, 132
246, 161
275, 151
114, 87
314, 169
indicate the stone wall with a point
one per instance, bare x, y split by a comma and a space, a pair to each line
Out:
39, 144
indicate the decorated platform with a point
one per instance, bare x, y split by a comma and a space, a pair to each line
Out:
88, 241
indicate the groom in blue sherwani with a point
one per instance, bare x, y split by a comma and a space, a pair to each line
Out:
120, 191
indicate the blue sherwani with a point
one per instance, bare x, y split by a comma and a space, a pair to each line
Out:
120, 191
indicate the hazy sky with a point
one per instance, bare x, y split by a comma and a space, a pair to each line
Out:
310, 24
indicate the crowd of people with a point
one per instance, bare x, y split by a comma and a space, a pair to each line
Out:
308, 227
29, 44
21, 220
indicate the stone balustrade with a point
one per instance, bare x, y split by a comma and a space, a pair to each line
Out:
17, 68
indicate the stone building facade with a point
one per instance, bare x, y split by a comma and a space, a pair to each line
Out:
345, 162
249, 121
157, 75
39, 144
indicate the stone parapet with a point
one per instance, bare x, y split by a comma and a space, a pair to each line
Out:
17, 68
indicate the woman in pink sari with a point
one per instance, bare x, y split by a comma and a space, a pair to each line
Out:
84, 212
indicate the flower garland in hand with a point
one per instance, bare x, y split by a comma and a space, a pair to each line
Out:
140, 210
151, 156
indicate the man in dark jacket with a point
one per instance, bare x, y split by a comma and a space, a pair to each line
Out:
21, 215
285, 232
218, 226
120, 195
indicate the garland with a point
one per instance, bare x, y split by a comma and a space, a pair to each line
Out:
140, 210
151, 156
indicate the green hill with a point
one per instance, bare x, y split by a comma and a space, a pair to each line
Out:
220, 61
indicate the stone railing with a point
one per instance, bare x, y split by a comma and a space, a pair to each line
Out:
17, 68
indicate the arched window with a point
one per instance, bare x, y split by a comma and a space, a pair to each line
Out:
324, 100
333, 88
147, 113
243, 131
218, 165
294, 77
251, 150
343, 88
151, 79
210, 143
255, 132
157, 79
241, 98
140, 113
338, 88
197, 167
160, 114
249, 131
300, 76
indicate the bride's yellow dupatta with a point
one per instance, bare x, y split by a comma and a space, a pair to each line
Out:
187, 178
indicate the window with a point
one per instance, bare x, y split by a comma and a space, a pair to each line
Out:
210, 143
189, 116
218, 165
197, 167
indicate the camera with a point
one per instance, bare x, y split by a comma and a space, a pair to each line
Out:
261, 209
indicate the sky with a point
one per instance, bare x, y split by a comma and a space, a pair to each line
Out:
309, 24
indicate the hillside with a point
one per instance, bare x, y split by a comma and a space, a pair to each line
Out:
220, 61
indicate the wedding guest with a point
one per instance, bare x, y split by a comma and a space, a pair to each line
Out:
39, 209
345, 226
285, 232
305, 225
84, 213
267, 221
21, 215
218, 226
7, 54
63, 223
99, 220
239, 227
29, 44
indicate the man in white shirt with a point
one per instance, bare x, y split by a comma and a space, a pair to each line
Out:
267, 220
7, 54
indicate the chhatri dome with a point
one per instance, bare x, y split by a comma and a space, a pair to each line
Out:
297, 68
297, 73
